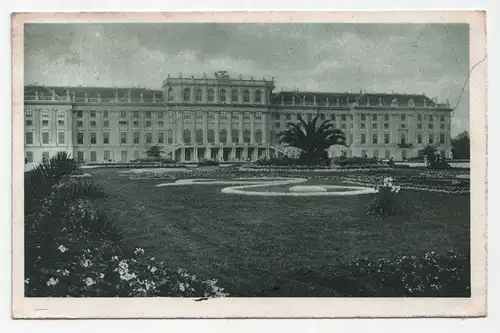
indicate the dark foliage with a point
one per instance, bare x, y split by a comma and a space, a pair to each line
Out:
208, 163
355, 161
461, 146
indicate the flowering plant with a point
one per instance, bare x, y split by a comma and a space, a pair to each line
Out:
384, 203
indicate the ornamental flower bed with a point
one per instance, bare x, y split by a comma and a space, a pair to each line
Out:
384, 203
428, 275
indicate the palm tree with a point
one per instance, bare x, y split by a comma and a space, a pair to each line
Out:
312, 140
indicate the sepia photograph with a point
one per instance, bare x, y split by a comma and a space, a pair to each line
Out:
222, 161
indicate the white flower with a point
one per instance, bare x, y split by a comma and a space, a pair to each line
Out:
52, 282
182, 287
138, 251
85, 263
27, 281
88, 281
153, 269
127, 276
114, 258
101, 275
62, 248
63, 272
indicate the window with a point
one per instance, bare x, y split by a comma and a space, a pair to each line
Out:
403, 125
161, 137
45, 123
198, 95
29, 157
235, 136
363, 117
403, 117
441, 138
105, 123
258, 136
79, 138
258, 115
363, 153
45, 138
148, 123
187, 136
363, 138
93, 123
419, 117
375, 153
80, 156
234, 95
419, 138
187, 115
136, 137
375, 139
60, 122
124, 156
343, 126
136, 123
160, 114
343, 117
234, 115
386, 117
258, 96
277, 116
136, 155
161, 123
363, 125
387, 138
107, 155
45, 157
93, 138
79, 114
246, 96
199, 136
386, 125
29, 122
211, 136
187, 95
441, 119
222, 95
123, 137
431, 138
210, 95
431, 125
29, 113
419, 126
29, 138
374, 118
123, 122
441, 126
105, 138
148, 114
374, 125
61, 113
431, 118
322, 116
149, 137
332, 117
60, 138
170, 95
92, 114
288, 116
105, 114
309, 116
45, 113
277, 125
403, 155
93, 156
223, 136
123, 114
135, 114
387, 154
170, 136
402, 139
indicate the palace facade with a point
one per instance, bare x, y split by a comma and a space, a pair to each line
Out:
222, 118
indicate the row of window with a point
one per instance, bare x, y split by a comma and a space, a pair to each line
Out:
402, 138
45, 113
61, 138
198, 95
343, 117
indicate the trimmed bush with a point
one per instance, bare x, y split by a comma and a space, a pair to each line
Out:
208, 163
384, 203
344, 161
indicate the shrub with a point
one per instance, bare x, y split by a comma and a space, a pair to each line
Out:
344, 161
439, 164
384, 203
206, 162
428, 275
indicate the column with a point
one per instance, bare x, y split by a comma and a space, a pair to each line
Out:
233, 153
356, 137
252, 128
229, 128
394, 131
205, 128
411, 129
195, 154
180, 133
216, 128
369, 129
240, 128
221, 154
264, 129
194, 115
245, 153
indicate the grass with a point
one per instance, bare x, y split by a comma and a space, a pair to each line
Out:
276, 246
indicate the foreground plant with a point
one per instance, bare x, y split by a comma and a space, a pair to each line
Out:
384, 203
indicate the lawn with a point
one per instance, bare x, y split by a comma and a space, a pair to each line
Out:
276, 246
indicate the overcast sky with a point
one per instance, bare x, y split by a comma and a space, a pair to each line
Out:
404, 58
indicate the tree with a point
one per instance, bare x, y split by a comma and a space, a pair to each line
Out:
430, 152
154, 152
312, 140
461, 146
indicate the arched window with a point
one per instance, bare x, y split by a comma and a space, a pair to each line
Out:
246, 136
187, 136
222, 95
187, 95
235, 136
198, 95
234, 95
258, 96
258, 136
246, 96
170, 136
211, 136
199, 136
170, 94
403, 138
223, 136
210, 95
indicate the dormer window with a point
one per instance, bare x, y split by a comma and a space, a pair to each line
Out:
411, 102
170, 95
187, 95
246, 96
258, 96
394, 103
222, 95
